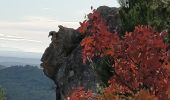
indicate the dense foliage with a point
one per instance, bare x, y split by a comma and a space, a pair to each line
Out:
139, 59
155, 13
26, 83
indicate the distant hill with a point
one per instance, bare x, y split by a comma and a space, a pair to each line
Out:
10, 58
2, 67
26, 83
11, 61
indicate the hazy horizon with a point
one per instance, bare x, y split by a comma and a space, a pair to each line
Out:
24, 24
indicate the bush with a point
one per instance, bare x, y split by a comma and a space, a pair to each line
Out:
139, 61
2, 94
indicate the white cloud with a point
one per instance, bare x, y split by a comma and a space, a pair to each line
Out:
46, 8
13, 37
30, 33
9, 36
36, 23
16, 38
1, 34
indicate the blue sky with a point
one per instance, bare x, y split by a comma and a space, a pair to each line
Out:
24, 24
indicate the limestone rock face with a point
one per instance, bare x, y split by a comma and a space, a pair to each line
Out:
62, 60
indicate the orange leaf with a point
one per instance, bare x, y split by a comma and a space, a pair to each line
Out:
145, 95
168, 92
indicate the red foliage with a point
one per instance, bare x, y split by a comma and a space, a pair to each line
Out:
83, 27
80, 94
140, 58
98, 41
140, 62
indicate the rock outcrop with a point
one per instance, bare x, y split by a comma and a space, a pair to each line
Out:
62, 60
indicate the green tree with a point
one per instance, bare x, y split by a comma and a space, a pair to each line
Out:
2, 94
155, 13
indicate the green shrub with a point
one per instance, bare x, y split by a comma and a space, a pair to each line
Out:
155, 13
2, 94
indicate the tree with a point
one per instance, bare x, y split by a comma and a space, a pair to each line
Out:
139, 58
2, 94
155, 13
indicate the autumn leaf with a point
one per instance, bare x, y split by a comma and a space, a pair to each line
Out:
83, 27
168, 92
145, 95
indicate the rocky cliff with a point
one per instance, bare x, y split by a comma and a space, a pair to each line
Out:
62, 60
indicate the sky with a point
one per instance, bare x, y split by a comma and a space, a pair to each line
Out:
25, 24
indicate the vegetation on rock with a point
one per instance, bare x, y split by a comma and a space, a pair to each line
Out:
138, 60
